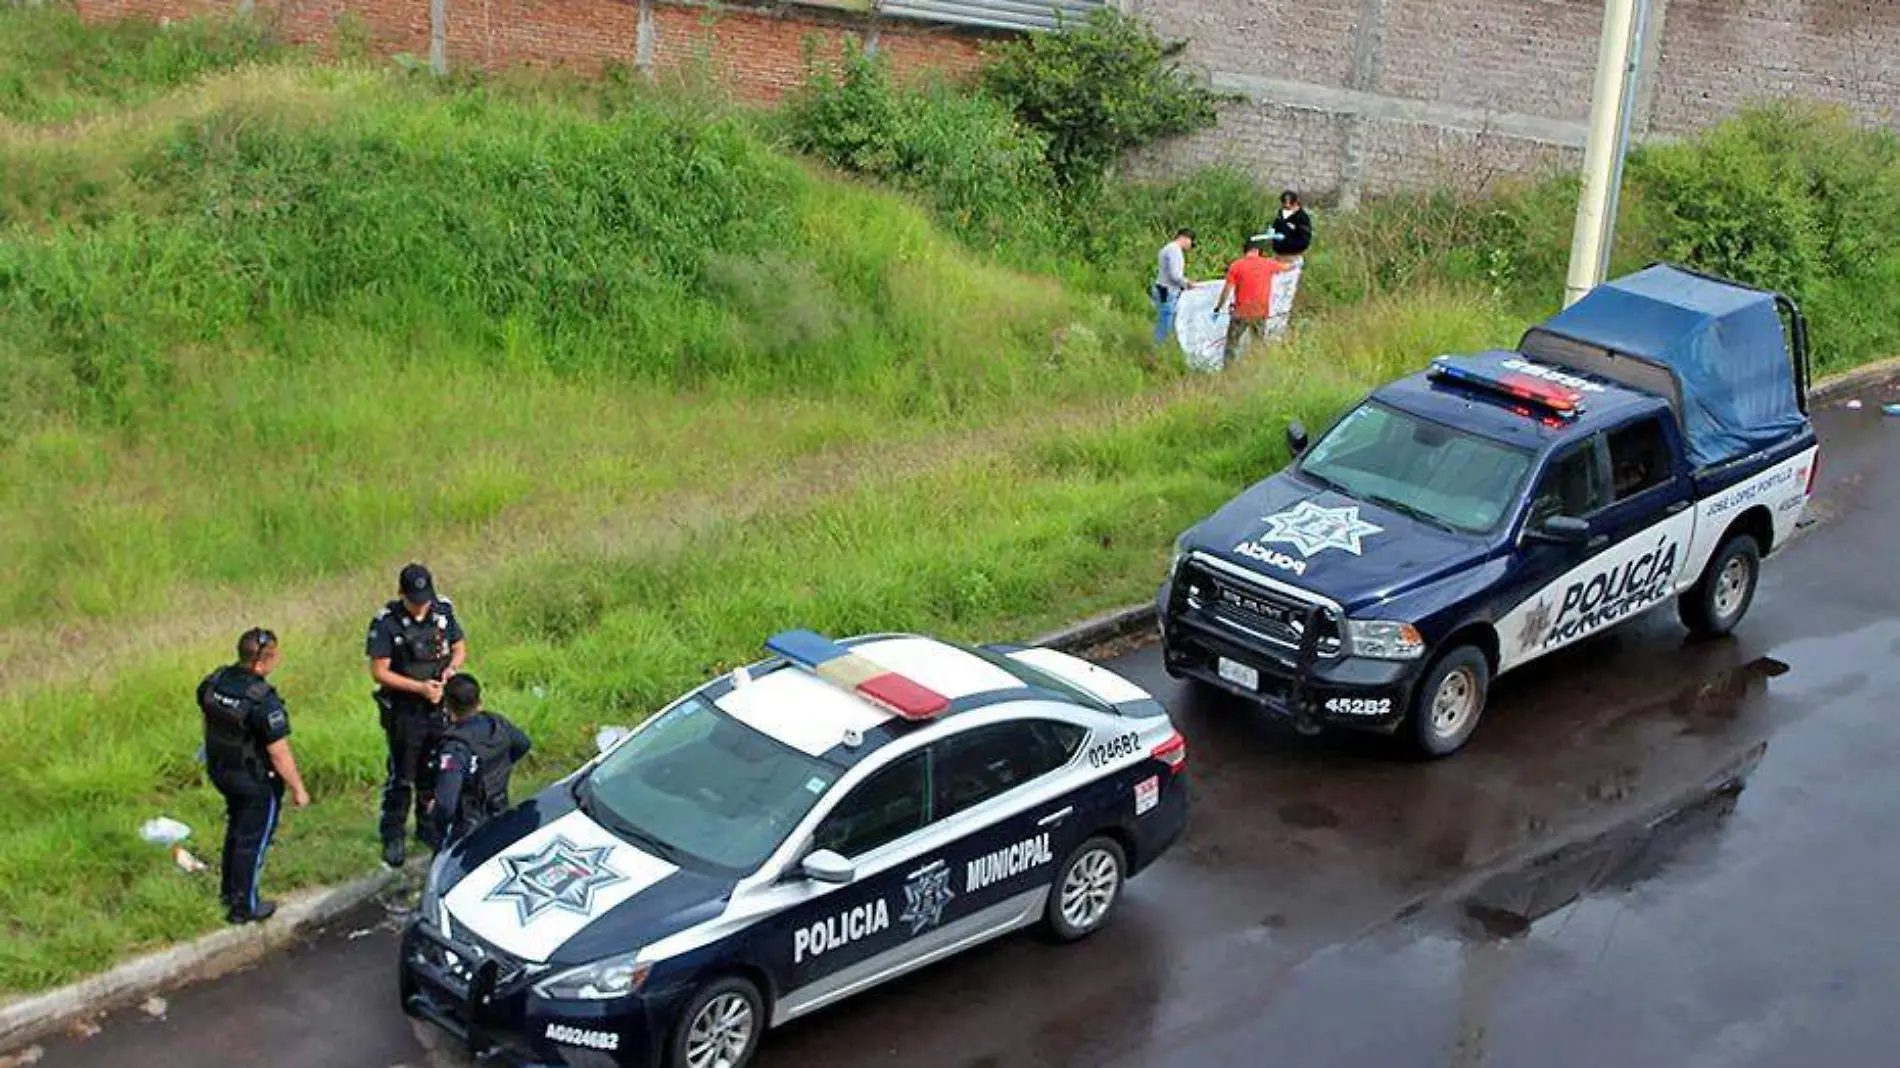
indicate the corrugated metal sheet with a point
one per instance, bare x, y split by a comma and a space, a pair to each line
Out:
993, 14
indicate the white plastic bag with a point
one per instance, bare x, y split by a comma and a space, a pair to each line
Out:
164, 831
1285, 285
1203, 335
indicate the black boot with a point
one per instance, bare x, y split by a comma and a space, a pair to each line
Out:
393, 853
240, 914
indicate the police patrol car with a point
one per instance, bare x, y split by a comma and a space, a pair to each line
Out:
789, 835
1649, 444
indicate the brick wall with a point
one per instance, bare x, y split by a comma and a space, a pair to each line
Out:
757, 52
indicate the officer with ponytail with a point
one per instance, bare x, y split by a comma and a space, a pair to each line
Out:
479, 752
247, 752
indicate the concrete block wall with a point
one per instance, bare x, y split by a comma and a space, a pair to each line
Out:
1345, 98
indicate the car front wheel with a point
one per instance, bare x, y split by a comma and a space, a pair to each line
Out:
1088, 886
720, 1027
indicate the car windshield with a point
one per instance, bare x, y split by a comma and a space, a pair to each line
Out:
1423, 469
698, 785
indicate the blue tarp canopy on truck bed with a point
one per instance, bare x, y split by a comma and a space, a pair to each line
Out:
1714, 349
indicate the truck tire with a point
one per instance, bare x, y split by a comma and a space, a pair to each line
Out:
1449, 702
1720, 598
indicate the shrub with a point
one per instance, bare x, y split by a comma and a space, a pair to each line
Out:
1098, 90
963, 153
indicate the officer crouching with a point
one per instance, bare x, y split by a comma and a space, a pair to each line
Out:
479, 752
414, 644
247, 752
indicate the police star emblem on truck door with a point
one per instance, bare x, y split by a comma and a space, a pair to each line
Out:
926, 893
561, 876
1312, 529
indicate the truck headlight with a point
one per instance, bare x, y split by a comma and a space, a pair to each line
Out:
1379, 639
1181, 550
611, 977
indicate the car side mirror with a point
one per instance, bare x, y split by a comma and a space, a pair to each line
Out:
825, 866
607, 737
1296, 437
1562, 530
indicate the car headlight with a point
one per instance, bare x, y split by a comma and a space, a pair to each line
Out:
1380, 639
1181, 549
611, 977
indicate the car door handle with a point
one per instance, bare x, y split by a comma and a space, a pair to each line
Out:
1677, 506
1055, 817
1598, 542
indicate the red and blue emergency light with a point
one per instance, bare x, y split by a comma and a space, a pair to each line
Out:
860, 674
1559, 400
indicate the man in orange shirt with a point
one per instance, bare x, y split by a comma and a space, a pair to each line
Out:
1250, 284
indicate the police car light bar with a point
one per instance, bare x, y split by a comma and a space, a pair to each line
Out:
1562, 402
841, 667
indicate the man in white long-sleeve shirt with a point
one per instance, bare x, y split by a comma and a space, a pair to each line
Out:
1170, 280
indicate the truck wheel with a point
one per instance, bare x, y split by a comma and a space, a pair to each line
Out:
720, 1027
1719, 600
1450, 701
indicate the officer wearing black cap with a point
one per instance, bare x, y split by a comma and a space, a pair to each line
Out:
415, 644
479, 752
247, 751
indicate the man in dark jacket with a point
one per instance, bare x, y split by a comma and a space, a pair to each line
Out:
478, 753
415, 644
1292, 229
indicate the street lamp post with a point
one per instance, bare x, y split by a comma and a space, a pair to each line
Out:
1610, 109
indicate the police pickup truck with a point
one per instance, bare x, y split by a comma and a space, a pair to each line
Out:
1650, 443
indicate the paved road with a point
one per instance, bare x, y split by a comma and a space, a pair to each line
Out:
1654, 852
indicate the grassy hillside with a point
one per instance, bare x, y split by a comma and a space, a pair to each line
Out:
642, 386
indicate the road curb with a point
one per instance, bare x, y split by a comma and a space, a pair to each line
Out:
1096, 630
1846, 381
34, 1016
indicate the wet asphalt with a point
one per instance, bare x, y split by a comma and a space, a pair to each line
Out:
1653, 852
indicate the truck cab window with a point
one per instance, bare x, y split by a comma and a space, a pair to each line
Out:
1639, 458
1572, 485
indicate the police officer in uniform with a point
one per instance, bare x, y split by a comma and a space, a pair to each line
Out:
479, 752
415, 644
247, 752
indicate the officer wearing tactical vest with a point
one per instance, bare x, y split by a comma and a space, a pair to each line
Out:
479, 751
247, 752
415, 644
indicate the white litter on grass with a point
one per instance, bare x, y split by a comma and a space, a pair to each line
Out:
164, 831
359, 933
155, 1007
187, 863
1854, 405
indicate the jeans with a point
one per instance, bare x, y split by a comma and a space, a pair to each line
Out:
1166, 302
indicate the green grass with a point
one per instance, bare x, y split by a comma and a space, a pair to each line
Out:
641, 385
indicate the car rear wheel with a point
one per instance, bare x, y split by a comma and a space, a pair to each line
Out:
1719, 600
1450, 702
720, 1027
1088, 886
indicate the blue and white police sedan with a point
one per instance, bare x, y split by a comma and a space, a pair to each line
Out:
789, 835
